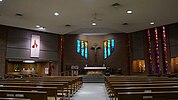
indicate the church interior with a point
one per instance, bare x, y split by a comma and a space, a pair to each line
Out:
88, 50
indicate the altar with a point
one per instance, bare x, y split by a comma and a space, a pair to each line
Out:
94, 70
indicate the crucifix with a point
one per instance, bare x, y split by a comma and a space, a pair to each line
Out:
95, 48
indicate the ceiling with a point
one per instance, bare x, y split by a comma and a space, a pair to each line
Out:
79, 14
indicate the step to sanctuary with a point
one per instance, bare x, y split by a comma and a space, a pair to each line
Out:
93, 78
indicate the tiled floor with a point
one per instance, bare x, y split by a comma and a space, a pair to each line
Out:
91, 91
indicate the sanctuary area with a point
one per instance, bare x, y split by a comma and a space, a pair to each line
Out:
88, 50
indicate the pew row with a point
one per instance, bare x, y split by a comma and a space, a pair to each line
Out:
32, 95
57, 87
120, 88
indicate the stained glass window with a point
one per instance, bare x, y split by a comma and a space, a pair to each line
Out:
149, 52
157, 51
82, 48
165, 50
108, 47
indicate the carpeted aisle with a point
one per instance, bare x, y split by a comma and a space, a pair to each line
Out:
91, 91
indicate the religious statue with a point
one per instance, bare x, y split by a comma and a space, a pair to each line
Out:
95, 47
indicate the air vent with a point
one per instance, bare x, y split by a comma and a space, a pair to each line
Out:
19, 14
125, 24
115, 4
68, 25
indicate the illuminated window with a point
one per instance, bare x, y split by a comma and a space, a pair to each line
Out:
138, 66
82, 48
108, 47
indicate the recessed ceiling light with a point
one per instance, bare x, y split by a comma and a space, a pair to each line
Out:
152, 23
0, 0
56, 13
129, 11
94, 24
41, 28
37, 26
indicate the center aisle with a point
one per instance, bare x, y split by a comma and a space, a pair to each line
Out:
91, 91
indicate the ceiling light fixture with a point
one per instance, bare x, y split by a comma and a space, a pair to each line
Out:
37, 26
41, 28
0, 0
56, 13
28, 61
93, 24
129, 11
152, 23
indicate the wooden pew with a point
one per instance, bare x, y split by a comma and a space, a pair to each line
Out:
135, 80
144, 89
116, 88
62, 87
51, 91
32, 95
115, 85
13, 98
160, 95
74, 82
70, 84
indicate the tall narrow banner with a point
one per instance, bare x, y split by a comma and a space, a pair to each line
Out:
35, 46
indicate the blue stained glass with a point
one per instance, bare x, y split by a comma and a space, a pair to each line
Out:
78, 46
109, 47
86, 53
82, 49
105, 52
112, 43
